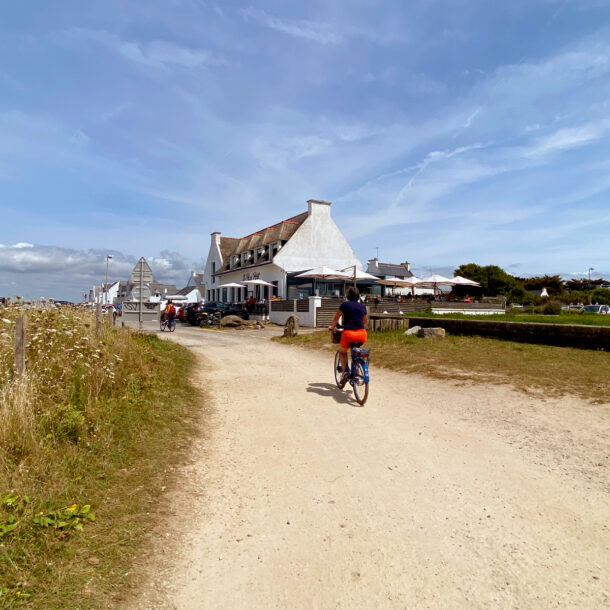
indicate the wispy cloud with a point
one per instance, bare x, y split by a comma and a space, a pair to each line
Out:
568, 139
317, 32
158, 54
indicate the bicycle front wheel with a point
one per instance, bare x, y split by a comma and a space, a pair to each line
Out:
172, 327
338, 373
361, 387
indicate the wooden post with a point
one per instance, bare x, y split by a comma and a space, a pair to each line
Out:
98, 322
20, 335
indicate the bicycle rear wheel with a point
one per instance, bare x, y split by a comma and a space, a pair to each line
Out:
361, 387
172, 326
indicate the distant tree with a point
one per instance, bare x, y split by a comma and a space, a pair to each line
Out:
553, 283
493, 279
601, 296
520, 295
583, 284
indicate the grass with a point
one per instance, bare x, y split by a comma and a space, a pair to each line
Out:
587, 319
89, 437
555, 371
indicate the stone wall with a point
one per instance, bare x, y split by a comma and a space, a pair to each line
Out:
563, 335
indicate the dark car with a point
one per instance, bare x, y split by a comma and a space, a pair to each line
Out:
224, 309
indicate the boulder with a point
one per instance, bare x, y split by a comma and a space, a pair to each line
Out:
413, 331
291, 329
428, 333
235, 321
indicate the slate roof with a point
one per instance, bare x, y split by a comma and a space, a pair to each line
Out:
389, 269
282, 231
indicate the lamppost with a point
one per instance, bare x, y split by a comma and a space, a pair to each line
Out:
589, 283
108, 257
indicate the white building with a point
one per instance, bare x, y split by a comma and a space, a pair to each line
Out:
275, 255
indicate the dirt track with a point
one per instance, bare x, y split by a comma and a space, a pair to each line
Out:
433, 495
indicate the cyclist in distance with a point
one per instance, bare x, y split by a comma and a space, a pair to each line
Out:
169, 313
355, 320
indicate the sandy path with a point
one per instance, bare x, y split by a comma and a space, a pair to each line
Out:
433, 495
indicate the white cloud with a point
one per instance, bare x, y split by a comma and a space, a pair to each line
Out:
568, 138
317, 32
158, 54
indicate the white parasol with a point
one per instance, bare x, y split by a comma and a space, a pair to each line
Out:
258, 283
324, 273
458, 280
435, 281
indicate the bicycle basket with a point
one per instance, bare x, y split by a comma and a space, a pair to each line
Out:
337, 336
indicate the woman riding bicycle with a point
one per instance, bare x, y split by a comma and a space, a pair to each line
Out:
355, 320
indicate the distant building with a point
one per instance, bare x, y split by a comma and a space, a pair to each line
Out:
142, 277
276, 255
386, 270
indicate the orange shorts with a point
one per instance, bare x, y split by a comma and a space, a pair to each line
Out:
353, 336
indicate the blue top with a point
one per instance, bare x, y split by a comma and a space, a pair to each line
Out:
353, 315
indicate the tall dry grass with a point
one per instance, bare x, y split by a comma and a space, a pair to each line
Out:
93, 421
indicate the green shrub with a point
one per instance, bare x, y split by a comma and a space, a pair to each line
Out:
552, 308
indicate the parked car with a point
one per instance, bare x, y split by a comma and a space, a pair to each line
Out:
602, 309
225, 309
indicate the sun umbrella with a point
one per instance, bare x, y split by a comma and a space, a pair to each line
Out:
232, 285
324, 273
435, 281
390, 281
458, 280
359, 274
258, 283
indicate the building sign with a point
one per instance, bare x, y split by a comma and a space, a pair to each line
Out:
251, 276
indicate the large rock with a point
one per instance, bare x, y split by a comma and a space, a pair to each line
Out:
429, 333
235, 321
413, 331
291, 329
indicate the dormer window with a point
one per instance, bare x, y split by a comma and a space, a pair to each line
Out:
247, 258
235, 260
275, 248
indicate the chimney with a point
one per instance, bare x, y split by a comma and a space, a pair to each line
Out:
408, 266
318, 207
216, 238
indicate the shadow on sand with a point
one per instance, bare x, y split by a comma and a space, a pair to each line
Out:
330, 390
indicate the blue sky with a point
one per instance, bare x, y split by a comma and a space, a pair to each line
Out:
443, 132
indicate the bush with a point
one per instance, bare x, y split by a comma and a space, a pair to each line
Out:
552, 308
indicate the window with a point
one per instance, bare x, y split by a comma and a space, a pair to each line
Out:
213, 272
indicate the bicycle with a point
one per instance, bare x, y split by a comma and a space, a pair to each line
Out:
357, 373
169, 325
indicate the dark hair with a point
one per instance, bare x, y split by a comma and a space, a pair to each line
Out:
352, 294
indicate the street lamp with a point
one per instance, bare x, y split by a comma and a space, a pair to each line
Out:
108, 257
589, 284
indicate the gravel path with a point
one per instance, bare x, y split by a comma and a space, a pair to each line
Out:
432, 495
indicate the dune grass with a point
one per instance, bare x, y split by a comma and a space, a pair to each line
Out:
88, 439
554, 371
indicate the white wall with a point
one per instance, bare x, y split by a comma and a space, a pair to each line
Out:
305, 318
318, 241
214, 256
